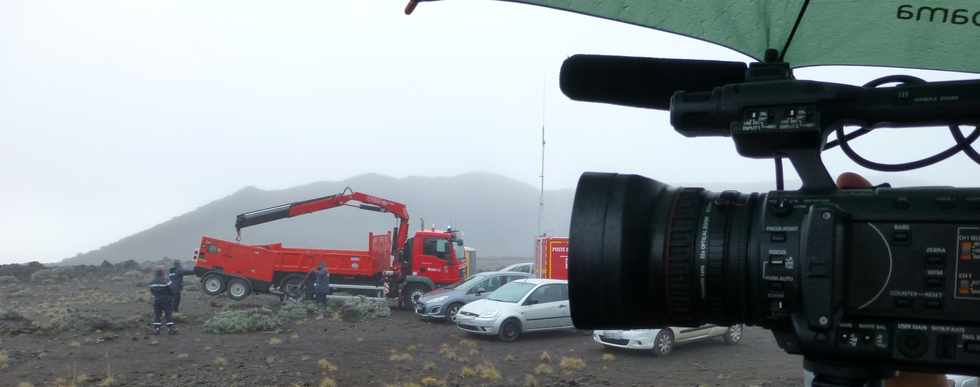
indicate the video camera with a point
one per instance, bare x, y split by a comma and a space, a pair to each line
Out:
861, 282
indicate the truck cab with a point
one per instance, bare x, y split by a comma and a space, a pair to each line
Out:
437, 255
431, 259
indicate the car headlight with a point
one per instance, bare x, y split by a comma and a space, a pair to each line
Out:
437, 300
490, 315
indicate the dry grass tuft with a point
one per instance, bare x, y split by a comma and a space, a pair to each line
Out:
24, 384
397, 357
220, 362
412, 348
428, 366
571, 363
4, 360
275, 341
473, 352
183, 355
327, 382
108, 381
74, 344
467, 372
608, 357
467, 343
531, 381
543, 369
326, 365
510, 357
432, 381
294, 336
450, 353
488, 371
545, 357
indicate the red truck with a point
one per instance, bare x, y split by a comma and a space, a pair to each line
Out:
551, 257
394, 265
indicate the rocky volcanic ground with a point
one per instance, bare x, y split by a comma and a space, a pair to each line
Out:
87, 326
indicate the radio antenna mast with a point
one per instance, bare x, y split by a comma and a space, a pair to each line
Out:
541, 193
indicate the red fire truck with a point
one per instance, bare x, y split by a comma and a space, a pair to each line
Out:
394, 265
551, 257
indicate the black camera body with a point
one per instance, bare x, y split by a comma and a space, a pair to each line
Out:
876, 276
861, 282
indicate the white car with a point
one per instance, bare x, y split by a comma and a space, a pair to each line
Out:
662, 341
526, 305
527, 267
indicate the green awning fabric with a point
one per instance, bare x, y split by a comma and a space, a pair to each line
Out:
923, 34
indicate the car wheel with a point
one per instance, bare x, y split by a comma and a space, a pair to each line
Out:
510, 330
663, 343
734, 334
451, 311
238, 289
214, 284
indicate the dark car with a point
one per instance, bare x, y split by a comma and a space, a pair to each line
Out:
445, 302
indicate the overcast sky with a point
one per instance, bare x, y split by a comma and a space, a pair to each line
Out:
117, 115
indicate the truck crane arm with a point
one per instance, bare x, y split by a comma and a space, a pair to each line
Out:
346, 198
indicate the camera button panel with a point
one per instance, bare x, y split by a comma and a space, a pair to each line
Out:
967, 263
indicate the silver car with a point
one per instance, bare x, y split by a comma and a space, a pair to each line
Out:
527, 305
527, 267
443, 303
662, 341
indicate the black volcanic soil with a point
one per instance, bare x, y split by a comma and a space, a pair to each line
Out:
396, 350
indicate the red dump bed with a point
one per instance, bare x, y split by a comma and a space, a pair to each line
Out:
269, 263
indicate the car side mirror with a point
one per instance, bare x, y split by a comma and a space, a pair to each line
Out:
531, 302
480, 291
459, 242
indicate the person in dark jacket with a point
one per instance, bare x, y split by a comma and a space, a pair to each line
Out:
163, 292
177, 274
321, 284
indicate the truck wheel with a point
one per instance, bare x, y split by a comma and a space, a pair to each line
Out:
510, 330
238, 289
292, 286
214, 284
412, 293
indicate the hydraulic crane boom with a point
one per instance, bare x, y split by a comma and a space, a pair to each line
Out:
361, 200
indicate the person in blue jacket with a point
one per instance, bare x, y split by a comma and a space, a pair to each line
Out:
162, 289
321, 284
177, 273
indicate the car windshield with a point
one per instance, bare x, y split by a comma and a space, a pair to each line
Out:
511, 292
469, 283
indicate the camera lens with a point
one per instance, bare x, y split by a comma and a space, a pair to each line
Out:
644, 254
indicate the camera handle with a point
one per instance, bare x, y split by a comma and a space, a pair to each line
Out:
811, 169
840, 374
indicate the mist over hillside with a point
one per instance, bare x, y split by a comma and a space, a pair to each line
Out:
498, 216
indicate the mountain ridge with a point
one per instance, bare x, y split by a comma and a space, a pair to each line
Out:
497, 214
